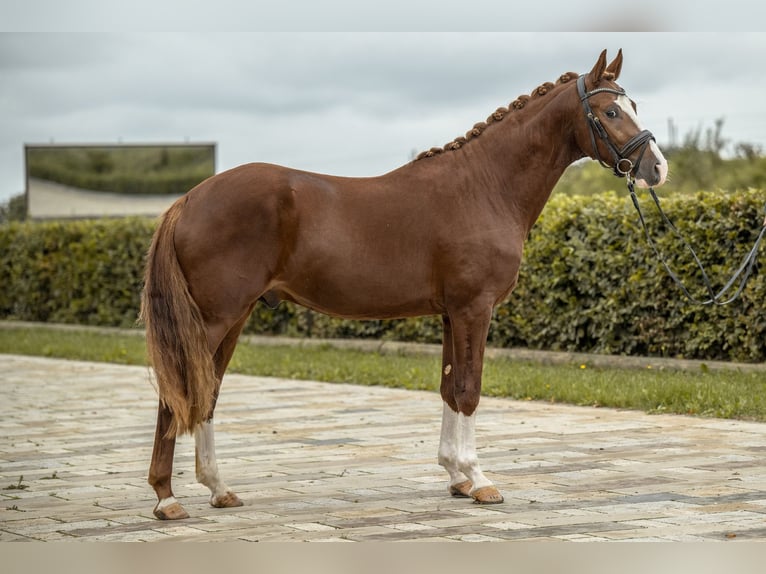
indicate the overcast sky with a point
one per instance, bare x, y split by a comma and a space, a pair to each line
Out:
345, 103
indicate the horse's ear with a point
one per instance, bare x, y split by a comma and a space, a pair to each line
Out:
598, 70
616, 66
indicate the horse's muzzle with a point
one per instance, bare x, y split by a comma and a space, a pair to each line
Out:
653, 169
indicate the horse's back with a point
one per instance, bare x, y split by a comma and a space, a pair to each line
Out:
323, 241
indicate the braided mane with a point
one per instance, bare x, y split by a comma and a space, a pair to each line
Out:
497, 116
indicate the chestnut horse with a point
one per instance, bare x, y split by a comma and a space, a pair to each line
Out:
441, 235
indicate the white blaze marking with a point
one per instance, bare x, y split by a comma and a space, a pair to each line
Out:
627, 107
624, 103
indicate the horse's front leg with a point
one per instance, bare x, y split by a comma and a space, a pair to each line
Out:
459, 485
461, 390
206, 466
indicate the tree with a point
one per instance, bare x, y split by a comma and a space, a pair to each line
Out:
15, 209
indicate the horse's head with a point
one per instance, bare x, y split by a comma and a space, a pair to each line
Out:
611, 132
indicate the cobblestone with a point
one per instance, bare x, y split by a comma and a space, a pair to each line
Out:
332, 462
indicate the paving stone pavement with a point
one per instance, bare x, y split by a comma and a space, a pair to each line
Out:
332, 462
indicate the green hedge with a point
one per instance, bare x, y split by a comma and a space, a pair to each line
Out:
128, 169
589, 282
86, 272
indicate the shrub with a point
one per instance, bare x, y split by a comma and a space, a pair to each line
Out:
128, 169
588, 283
86, 272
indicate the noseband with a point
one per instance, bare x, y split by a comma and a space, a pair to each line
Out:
622, 165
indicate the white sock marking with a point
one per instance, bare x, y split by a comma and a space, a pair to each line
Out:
468, 461
457, 449
448, 445
207, 466
165, 502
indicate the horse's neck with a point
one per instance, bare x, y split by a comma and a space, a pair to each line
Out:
529, 156
514, 163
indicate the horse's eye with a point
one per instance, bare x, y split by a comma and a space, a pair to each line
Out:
611, 114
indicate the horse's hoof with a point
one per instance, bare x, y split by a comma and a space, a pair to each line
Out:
172, 511
487, 495
228, 500
461, 489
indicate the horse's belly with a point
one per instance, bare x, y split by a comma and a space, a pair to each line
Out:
361, 292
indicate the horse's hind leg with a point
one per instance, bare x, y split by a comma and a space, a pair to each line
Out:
161, 469
206, 465
221, 495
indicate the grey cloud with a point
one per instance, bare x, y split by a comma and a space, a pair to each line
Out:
350, 103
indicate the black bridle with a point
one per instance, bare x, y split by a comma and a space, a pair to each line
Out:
623, 166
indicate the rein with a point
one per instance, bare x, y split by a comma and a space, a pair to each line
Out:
742, 274
624, 167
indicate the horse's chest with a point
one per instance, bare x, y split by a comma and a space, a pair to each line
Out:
488, 264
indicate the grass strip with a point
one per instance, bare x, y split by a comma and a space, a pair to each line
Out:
720, 393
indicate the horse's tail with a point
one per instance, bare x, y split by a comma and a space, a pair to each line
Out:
176, 339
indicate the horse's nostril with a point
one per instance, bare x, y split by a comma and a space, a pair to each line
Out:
660, 172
